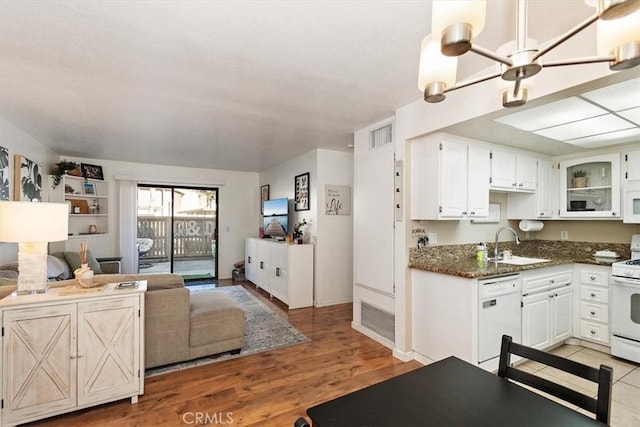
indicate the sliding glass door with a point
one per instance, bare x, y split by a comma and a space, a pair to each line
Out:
177, 231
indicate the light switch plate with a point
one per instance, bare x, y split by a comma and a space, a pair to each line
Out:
433, 238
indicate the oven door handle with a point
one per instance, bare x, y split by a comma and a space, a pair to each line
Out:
625, 281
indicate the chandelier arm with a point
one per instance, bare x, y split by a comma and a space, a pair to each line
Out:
472, 82
491, 55
566, 36
578, 61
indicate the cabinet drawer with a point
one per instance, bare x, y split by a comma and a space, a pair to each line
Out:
595, 312
594, 331
545, 281
594, 293
594, 278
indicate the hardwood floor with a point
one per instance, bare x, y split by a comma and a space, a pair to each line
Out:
272, 388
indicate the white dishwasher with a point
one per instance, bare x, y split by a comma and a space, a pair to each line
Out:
499, 313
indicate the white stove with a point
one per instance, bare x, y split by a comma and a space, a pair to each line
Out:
625, 305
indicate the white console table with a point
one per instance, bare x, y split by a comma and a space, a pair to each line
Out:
63, 351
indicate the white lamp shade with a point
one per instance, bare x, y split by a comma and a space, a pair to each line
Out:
617, 32
434, 66
448, 12
33, 222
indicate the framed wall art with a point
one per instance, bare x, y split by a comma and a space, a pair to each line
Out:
337, 200
264, 196
91, 171
27, 179
301, 192
89, 188
5, 183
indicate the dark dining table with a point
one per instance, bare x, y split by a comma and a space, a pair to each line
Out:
450, 392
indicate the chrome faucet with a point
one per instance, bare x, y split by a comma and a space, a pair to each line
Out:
495, 252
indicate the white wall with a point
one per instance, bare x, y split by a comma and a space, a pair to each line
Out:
332, 236
238, 204
18, 142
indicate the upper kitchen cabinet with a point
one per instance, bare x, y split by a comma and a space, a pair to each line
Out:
539, 205
513, 172
590, 187
449, 178
632, 166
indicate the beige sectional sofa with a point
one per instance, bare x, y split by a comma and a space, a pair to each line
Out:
180, 325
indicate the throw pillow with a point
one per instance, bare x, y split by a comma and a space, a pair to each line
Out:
73, 258
56, 269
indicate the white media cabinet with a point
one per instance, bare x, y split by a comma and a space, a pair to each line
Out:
63, 352
284, 271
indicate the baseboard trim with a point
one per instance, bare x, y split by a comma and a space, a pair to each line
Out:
405, 356
319, 304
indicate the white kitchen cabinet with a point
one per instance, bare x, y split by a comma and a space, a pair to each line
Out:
590, 187
449, 178
538, 205
632, 166
284, 271
592, 302
67, 352
513, 172
547, 306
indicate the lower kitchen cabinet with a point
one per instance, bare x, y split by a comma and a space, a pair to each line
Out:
284, 271
547, 317
593, 302
62, 352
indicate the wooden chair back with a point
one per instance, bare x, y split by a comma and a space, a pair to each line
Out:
600, 406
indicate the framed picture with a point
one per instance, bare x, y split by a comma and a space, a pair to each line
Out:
91, 171
4, 174
89, 188
264, 195
27, 179
337, 200
301, 192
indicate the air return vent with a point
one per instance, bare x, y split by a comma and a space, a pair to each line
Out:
378, 321
381, 136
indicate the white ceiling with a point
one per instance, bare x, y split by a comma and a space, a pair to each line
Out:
239, 85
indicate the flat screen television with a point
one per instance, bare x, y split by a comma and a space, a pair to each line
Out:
275, 220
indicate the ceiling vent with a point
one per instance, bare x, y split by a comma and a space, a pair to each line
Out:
381, 136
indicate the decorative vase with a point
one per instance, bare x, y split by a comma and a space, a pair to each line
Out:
84, 276
93, 229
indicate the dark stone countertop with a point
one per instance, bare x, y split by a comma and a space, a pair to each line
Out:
459, 260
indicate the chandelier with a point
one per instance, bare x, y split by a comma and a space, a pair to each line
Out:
455, 24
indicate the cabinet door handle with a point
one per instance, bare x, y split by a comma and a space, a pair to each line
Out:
261, 265
613, 213
592, 277
593, 295
464, 213
552, 281
277, 271
593, 313
473, 212
514, 184
249, 260
541, 214
73, 356
520, 185
80, 355
593, 332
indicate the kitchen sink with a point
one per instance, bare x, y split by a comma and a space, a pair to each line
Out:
522, 260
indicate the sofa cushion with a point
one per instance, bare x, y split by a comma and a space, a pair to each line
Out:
215, 316
57, 269
73, 258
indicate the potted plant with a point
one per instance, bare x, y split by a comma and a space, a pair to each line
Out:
61, 168
580, 178
297, 232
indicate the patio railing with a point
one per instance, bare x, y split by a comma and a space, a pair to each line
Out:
193, 236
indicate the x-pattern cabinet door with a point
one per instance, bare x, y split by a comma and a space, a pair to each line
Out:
108, 340
39, 369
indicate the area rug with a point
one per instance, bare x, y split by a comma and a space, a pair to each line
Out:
264, 330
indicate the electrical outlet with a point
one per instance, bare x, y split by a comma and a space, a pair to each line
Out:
564, 235
433, 238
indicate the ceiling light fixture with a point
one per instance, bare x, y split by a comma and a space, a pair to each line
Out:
456, 23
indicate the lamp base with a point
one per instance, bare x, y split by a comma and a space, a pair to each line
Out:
32, 274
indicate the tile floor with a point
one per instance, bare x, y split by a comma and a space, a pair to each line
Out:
625, 404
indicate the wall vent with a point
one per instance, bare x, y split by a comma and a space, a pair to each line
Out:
381, 136
378, 321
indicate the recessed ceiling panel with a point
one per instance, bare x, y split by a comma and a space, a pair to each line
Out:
632, 114
588, 127
610, 138
621, 96
553, 114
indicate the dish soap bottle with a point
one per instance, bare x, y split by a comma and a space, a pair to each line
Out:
481, 253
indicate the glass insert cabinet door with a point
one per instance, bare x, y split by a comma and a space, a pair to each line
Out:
590, 187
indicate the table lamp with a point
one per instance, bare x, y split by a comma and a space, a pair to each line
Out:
32, 225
